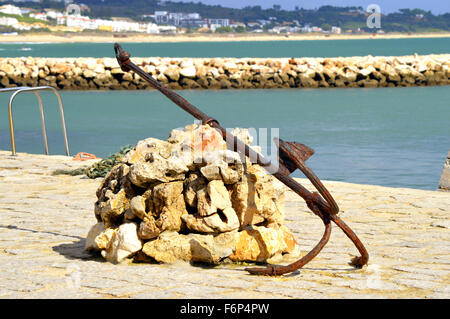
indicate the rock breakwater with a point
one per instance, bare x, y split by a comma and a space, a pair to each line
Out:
228, 73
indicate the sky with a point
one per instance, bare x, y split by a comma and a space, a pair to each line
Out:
387, 6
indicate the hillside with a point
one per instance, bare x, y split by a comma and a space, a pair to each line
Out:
406, 20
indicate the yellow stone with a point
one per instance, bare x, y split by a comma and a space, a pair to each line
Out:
261, 243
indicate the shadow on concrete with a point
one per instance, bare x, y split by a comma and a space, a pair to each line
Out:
75, 250
38, 231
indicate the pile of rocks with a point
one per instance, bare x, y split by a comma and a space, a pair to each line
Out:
190, 199
224, 73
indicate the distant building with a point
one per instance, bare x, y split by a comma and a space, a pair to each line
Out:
81, 22
161, 17
152, 28
278, 30
61, 20
167, 29
10, 9
179, 19
213, 24
253, 24
263, 22
114, 25
195, 23
53, 14
39, 16
336, 30
9, 22
219, 22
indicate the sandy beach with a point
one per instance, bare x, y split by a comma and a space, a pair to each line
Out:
99, 38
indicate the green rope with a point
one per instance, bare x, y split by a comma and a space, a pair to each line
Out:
73, 172
98, 169
101, 168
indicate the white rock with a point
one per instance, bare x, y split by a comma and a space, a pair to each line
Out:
104, 239
125, 243
218, 194
157, 168
95, 230
366, 71
188, 72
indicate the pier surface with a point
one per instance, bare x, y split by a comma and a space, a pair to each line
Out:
44, 220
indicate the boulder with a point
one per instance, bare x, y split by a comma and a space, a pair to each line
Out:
260, 243
188, 72
172, 246
95, 230
157, 169
173, 73
124, 243
111, 210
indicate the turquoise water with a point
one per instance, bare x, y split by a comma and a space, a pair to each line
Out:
307, 48
395, 137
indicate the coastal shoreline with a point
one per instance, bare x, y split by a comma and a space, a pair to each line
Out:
103, 38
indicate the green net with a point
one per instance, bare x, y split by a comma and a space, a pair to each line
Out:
101, 168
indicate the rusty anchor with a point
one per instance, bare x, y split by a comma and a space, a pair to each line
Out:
292, 156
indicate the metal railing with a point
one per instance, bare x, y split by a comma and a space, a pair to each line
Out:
35, 90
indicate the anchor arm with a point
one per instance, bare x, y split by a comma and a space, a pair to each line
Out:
292, 156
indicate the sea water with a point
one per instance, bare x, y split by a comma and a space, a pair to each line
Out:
395, 137
291, 48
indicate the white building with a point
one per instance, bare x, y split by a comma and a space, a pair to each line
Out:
336, 30
152, 28
61, 20
213, 24
39, 16
221, 22
161, 17
54, 14
125, 26
82, 22
178, 18
9, 22
10, 9
309, 28
167, 29
86, 23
